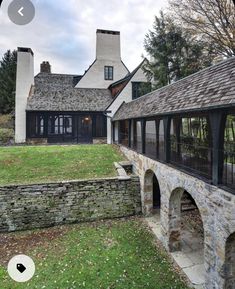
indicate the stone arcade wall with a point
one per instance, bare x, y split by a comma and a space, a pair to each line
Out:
216, 206
44, 205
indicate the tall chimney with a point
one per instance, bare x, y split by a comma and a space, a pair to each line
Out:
108, 45
24, 81
45, 67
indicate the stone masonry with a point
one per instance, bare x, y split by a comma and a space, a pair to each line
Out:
45, 205
216, 206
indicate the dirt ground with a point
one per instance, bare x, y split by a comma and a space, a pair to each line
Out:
19, 243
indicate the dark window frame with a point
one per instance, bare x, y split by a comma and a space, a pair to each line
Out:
136, 91
108, 72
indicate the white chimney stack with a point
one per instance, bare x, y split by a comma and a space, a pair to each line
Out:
108, 45
24, 81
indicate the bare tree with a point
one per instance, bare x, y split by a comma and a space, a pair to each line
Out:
213, 20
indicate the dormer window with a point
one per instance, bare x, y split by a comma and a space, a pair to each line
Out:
108, 72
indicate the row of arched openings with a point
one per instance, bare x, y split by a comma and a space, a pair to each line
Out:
186, 225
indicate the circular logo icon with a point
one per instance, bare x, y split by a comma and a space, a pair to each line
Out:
21, 12
21, 268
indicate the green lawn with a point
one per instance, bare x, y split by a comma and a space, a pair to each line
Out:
38, 164
120, 254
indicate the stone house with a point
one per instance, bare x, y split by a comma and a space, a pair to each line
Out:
59, 108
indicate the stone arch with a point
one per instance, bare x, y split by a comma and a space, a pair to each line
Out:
175, 207
152, 193
230, 262
175, 219
186, 234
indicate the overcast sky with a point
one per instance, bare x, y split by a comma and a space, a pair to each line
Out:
64, 32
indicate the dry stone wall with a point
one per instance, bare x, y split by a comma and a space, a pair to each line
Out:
45, 205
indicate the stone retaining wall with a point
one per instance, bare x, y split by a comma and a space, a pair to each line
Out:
44, 205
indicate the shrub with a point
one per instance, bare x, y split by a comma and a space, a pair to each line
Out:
6, 135
6, 121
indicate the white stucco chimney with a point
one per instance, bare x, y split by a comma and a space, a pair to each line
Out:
24, 81
108, 55
108, 44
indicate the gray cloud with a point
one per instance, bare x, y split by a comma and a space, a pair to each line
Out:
63, 32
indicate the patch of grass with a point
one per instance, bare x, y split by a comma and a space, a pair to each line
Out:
118, 254
38, 164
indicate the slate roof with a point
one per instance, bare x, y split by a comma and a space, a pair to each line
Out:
210, 87
55, 79
56, 92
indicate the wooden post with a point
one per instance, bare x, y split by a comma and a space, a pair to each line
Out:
157, 123
129, 133
46, 122
119, 133
143, 134
167, 140
113, 132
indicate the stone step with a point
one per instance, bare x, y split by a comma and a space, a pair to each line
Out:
189, 207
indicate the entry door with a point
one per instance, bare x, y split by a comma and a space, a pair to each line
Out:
84, 129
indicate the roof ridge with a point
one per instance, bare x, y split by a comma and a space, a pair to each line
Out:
65, 74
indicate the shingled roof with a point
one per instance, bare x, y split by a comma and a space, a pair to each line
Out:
210, 87
56, 92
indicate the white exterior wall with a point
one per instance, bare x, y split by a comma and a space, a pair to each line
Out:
94, 78
24, 81
125, 95
108, 53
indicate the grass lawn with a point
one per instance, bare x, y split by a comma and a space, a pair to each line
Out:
38, 164
120, 254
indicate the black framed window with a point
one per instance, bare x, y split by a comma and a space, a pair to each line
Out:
140, 88
60, 124
36, 125
124, 132
108, 72
68, 124
190, 139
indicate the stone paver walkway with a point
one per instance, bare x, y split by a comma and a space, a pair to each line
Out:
190, 258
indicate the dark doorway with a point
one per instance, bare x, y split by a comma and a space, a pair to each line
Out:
60, 128
230, 262
84, 129
156, 194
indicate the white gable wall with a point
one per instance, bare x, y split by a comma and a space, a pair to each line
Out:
124, 96
94, 78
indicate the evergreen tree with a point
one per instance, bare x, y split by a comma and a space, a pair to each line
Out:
174, 54
8, 81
